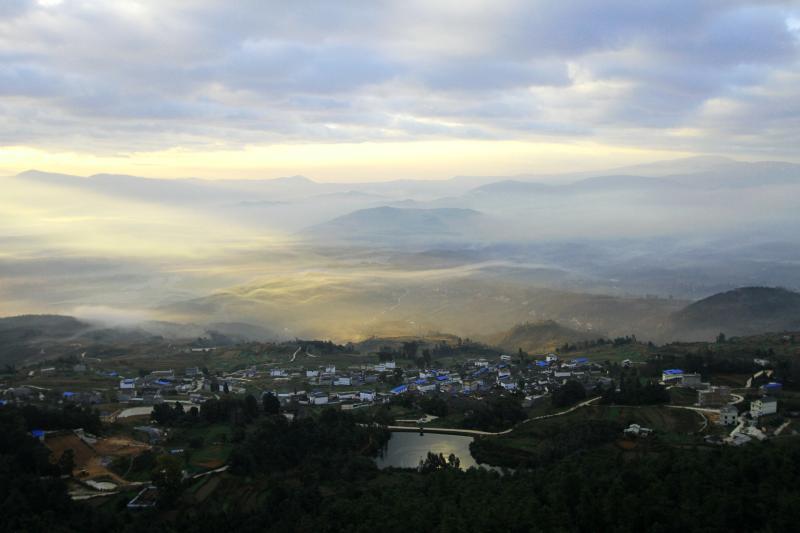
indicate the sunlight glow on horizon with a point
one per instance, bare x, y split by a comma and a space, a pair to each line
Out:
367, 161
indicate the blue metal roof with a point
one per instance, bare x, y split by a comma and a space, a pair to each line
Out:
542, 363
421, 382
69, 394
581, 360
442, 378
673, 371
37, 433
400, 389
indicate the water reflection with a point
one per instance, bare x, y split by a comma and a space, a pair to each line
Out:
406, 450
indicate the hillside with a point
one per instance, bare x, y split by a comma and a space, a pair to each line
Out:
539, 336
26, 338
743, 311
21, 336
38, 327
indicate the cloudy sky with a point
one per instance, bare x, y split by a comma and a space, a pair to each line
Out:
392, 89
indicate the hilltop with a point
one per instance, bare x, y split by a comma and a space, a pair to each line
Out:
743, 311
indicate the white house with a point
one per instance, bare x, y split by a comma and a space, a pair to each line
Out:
509, 385
728, 415
330, 369
690, 380
318, 398
764, 406
635, 430
505, 357
342, 381
278, 373
551, 358
127, 384
366, 396
427, 387
390, 365
312, 373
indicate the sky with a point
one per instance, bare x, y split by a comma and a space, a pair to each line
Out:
355, 90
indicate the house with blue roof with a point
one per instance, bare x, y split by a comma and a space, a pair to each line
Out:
671, 375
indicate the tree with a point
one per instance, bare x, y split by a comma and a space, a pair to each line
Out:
167, 476
410, 350
721, 338
250, 406
571, 392
434, 462
225, 388
66, 463
271, 404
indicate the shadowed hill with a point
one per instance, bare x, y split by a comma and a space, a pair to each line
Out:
539, 336
743, 311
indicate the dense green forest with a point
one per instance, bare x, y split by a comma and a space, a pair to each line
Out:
316, 475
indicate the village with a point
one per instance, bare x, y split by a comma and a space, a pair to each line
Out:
317, 380
120, 407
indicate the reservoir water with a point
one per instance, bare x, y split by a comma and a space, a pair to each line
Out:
406, 450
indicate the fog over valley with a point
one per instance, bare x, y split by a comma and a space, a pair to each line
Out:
610, 252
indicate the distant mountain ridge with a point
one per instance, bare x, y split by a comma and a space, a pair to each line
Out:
743, 311
392, 223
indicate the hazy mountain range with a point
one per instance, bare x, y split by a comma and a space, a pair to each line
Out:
745, 311
611, 252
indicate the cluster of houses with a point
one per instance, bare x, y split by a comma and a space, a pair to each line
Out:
711, 396
25, 394
151, 388
475, 377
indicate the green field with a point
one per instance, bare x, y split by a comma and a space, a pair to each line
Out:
584, 429
215, 448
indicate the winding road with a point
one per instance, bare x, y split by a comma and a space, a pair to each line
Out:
475, 432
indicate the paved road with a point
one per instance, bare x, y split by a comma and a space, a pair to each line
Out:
294, 355
475, 432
